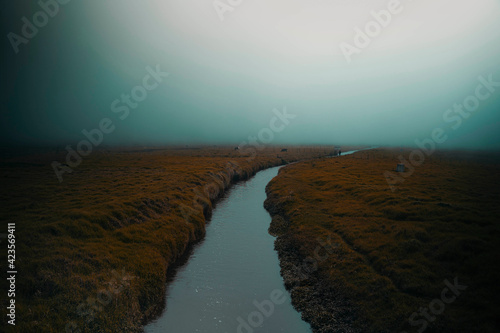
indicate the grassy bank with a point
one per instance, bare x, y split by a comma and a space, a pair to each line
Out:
390, 253
93, 251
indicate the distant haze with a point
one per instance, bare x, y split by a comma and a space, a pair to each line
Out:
226, 77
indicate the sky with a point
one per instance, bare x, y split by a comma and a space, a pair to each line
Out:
346, 71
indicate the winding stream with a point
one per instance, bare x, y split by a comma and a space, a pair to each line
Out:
231, 281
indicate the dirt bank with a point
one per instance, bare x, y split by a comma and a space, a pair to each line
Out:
325, 308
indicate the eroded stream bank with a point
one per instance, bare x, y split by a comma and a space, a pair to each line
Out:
325, 308
232, 281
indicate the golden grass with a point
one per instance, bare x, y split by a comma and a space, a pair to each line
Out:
397, 248
119, 212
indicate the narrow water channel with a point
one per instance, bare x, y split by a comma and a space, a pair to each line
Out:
231, 282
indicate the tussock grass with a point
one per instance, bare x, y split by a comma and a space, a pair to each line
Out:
118, 212
397, 248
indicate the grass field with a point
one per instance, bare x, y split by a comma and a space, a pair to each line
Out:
391, 252
92, 252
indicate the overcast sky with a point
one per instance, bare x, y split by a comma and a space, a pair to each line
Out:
226, 76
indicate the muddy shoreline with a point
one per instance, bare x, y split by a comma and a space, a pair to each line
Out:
323, 307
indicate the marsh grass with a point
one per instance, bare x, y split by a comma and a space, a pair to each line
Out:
118, 211
398, 247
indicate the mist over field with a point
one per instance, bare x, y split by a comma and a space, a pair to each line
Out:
250, 165
228, 68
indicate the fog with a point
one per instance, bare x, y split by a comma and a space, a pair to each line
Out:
225, 77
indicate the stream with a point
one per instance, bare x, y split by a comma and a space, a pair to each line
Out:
231, 280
